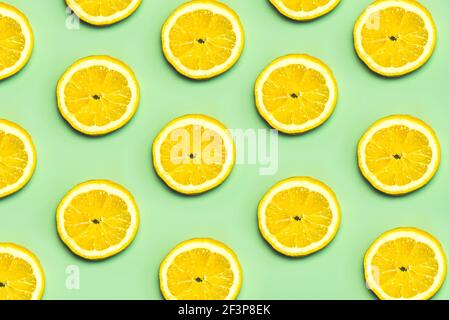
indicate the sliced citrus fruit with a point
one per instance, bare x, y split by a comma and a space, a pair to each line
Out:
399, 154
21, 274
200, 269
202, 39
98, 95
304, 9
299, 216
405, 263
395, 37
296, 93
17, 158
100, 12
193, 154
16, 40
97, 219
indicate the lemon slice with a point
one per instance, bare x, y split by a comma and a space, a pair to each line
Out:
193, 154
21, 274
395, 37
16, 40
202, 39
97, 219
405, 263
296, 93
98, 95
100, 12
299, 216
17, 158
200, 269
304, 9
399, 154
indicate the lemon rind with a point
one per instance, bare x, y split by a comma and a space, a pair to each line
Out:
209, 123
103, 20
110, 187
110, 63
411, 66
415, 234
23, 253
212, 245
311, 184
304, 15
218, 8
17, 15
30, 149
310, 62
410, 122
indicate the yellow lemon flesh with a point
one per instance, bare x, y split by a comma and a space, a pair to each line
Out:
299, 216
17, 158
405, 263
97, 219
202, 39
16, 40
399, 154
21, 274
200, 269
304, 9
100, 12
98, 95
193, 154
296, 93
395, 37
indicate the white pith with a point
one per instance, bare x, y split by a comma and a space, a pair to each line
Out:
314, 188
133, 86
330, 83
227, 141
439, 255
191, 245
304, 14
27, 34
412, 125
216, 9
408, 7
79, 11
132, 209
29, 149
7, 249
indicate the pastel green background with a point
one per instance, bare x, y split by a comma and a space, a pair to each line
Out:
228, 213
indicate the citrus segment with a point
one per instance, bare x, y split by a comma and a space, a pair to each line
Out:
97, 219
202, 38
200, 269
193, 154
405, 263
299, 216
